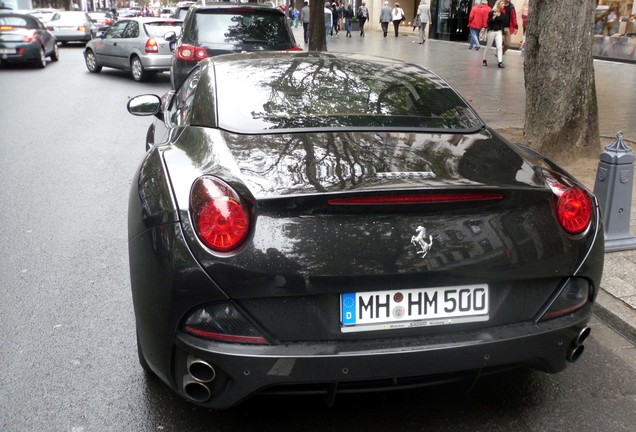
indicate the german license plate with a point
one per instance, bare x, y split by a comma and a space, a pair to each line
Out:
7, 51
420, 307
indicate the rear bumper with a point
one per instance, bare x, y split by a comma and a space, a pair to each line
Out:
243, 370
31, 52
156, 62
77, 37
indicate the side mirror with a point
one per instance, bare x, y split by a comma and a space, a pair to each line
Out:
145, 105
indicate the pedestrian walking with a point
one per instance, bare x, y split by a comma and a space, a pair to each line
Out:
477, 20
348, 17
296, 15
510, 25
363, 16
335, 25
289, 12
495, 33
424, 14
397, 15
385, 18
304, 17
328, 22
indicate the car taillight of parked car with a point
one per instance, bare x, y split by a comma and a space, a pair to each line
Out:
191, 53
81, 28
151, 46
572, 204
108, 22
220, 216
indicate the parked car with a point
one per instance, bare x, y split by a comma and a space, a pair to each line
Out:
23, 38
72, 26
317, 223
134, 44
101, 20
226, 28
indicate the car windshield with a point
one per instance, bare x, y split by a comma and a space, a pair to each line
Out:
158, 29
243, 26
16, 21
312, 92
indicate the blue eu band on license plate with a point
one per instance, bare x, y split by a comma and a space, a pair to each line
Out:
384, 310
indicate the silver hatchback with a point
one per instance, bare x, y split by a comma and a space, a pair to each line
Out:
71, 26
134, 44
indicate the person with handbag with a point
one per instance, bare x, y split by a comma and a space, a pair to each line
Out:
397, 15
477, 20
363, 16
424, 17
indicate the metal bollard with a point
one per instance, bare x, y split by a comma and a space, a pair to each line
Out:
613, 188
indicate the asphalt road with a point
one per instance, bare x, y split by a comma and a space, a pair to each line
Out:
68, 152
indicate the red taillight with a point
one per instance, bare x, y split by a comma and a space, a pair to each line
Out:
415, 199
574, 210
191, 53
295, 48
221, 219
108, 22
573, 205
81, 28
29, 36
151, 46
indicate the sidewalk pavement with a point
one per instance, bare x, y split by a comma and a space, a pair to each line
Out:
498, 96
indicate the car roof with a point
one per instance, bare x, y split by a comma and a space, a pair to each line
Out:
314, 99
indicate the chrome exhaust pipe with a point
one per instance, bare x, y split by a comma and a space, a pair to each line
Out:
574, 353
577, 348
200, 370
196, 390
583, 334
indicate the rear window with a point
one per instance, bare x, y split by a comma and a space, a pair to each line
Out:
158, 29
239, 26
306, 92
17, 21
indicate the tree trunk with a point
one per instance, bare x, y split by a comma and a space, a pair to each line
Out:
317, 40
561, 107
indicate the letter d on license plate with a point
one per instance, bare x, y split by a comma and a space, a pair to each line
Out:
383, 310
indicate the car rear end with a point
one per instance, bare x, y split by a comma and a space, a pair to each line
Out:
19, 38
215, 30
315, 260
71, 27
155, 54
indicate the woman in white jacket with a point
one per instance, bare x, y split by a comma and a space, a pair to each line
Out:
397, 15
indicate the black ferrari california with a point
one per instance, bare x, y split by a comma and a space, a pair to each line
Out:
316, 223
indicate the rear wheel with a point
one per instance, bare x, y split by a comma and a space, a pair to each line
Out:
91, 62
137, 69
55, 55
41, 61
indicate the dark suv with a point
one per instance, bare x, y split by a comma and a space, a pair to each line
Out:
225, 28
